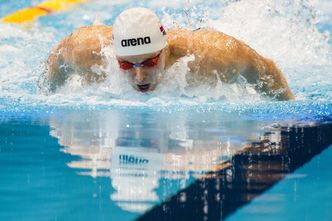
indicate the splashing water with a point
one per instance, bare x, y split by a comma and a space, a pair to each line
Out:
286, 32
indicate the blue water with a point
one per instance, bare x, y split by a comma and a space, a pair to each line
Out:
54, 177
303, 195
106, 152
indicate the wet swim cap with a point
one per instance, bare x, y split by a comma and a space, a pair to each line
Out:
138, 31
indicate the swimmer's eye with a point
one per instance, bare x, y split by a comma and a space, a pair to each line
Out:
125, 65
151, 62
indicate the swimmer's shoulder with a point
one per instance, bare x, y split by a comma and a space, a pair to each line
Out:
185, 41
178, 40
183, 33
88, 37
178, 34
94, 29
213, 38
83, 46
92, 32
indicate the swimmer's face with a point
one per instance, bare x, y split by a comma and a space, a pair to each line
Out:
144, 70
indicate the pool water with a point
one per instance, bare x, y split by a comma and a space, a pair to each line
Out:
106, 152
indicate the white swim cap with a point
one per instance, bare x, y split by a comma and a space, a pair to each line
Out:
138, 31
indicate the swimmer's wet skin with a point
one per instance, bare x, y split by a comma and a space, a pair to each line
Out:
143, 49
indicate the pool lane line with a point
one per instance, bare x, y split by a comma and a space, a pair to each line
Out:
247, 175
47, 10
31, 13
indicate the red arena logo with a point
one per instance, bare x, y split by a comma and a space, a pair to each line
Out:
162, 30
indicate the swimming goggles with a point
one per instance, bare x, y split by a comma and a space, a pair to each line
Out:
151, 62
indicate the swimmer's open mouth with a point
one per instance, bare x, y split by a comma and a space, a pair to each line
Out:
143, 87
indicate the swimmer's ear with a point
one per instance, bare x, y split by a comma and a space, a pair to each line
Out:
97, 20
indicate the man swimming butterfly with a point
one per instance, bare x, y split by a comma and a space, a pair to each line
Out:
143, 50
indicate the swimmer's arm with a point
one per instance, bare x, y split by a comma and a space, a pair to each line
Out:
265, 75
273, 83
54, 77
216, 52
79, 51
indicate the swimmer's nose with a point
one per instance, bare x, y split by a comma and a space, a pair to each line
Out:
140, 75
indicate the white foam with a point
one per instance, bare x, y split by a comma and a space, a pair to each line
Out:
284, 31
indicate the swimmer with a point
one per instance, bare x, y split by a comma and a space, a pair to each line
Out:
144, 51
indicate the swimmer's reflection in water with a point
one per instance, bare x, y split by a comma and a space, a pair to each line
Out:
253, 170
143, 156
144, 54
